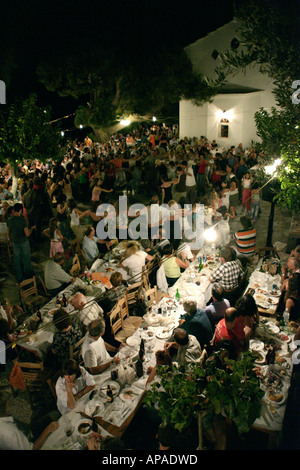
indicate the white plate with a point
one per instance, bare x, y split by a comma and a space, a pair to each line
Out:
132, 342
162, 334
273, 328
128, 395
147, 334
91, 407
256, 345
262, 360
274, 402
81, 424
115, 387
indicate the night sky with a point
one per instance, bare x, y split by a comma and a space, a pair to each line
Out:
33, 30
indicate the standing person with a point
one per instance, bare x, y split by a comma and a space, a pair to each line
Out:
255, 198
180, 185
191, 185
56, 238
245, 238
201, 174
18, 233
246, 198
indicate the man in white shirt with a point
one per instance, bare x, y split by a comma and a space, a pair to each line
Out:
89, 245
94, 350
11, 438
86, 311
56, 278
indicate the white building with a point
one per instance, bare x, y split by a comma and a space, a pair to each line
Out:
229, 119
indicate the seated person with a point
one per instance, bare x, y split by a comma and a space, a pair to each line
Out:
163, 358
248, 315
216, 309
183, 348
67, 334
172, 264
94, 350
229, 329
55, 277
90, 246
11, 314
229, 273
292, 266
195, 322
114, 294
73, 383
85, 311
12, 438
134, 261
292, 297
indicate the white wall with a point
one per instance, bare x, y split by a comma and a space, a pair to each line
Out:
195, 121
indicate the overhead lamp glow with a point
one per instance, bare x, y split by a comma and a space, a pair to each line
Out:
80, 126
62, 133
125, 122
210, 235
271, 169
224, 116
154, 119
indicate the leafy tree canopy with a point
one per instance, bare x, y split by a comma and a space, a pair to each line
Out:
268, 33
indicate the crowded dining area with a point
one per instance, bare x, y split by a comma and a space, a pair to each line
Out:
140, 306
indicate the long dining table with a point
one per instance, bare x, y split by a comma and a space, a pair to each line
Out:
129, 390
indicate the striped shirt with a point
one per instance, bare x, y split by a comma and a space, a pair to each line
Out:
245, 241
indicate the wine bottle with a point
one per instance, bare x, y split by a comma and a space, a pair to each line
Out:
177, 295
109, 393
139, 368
142, 350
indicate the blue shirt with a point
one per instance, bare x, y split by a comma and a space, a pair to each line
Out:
198, 325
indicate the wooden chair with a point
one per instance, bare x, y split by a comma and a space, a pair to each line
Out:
130, 323
35, 382
133, 292
75, 350
116, 324
29, 295
5, 243
151, 296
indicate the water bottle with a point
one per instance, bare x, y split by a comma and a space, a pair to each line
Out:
154, 308
286, 317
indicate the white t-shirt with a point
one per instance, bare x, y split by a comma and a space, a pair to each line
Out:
11, 438
134, 264
94, 352
80, 383
89, 313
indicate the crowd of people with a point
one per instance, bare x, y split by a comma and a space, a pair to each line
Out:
55, 198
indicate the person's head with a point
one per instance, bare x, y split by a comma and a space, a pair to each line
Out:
181, 337
146, 244
190, 305
293, 264
230, 317
89, 232
112, 443
96, 328
78, 301
225, 255
166, 436
61, 319
168, 250
59, 258
217, 291
246, 306
245, 222
163, 358
53, 224
296, 252
116, 279
18, 208
293, 289
132, 248
70, 369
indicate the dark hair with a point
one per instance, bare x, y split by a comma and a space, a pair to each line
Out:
88, 231
168, 249
246, 222
166, 435
96, 327
62, 319
163, 358
226, 254
18, 207
217, 291
112, 443
70, 367
246, 306
116, 278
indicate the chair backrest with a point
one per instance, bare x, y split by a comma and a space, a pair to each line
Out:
31, 372
151, 296
123, 306
28, 287
133, 291
115, 319
75, 349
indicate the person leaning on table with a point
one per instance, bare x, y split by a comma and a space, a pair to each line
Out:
94, 350
74, 382
56, 278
